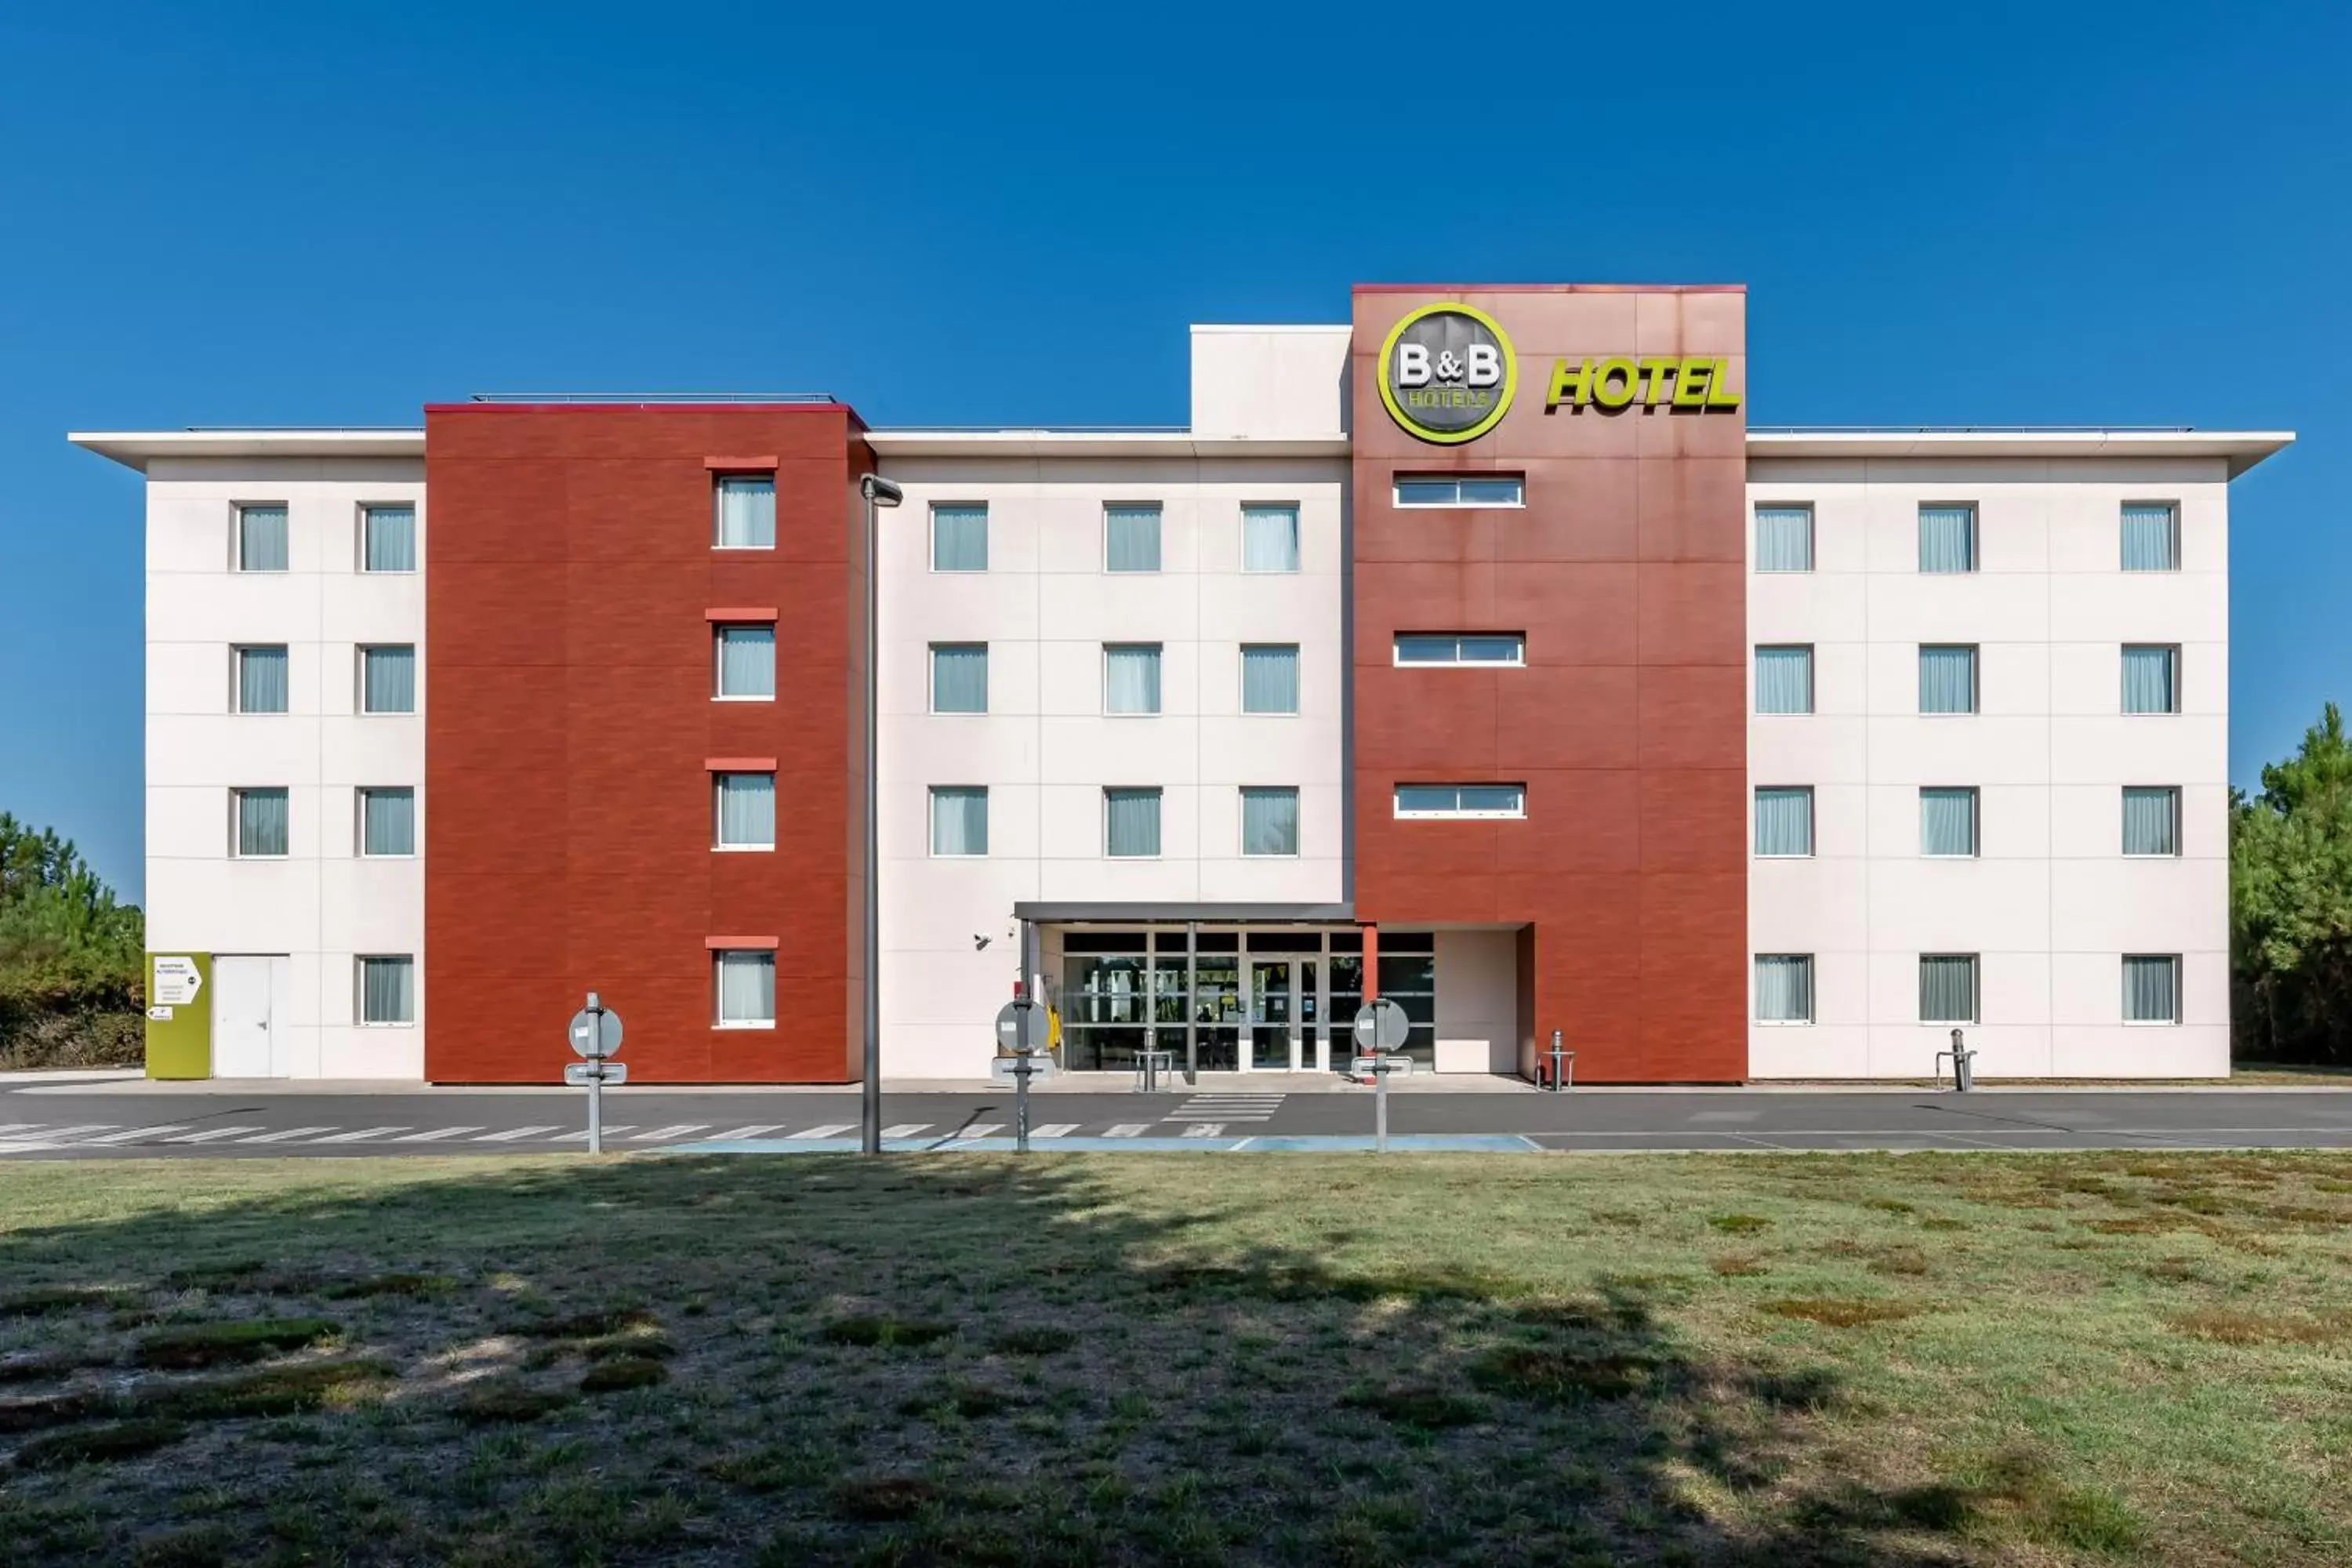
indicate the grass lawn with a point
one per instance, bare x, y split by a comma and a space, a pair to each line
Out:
1779, 1360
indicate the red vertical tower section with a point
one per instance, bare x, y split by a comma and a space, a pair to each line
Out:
1626, 571
569, 731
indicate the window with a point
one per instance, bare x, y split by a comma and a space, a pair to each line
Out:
260, 680
1947, 988
958, 820
1407, 975
1463, 489
745, 508
1948, 539
1131, 539
387, 822
1131, 823
2151, 820
1473, 647
1784, 987
2152, 988
387, 984
1270, 822
959, 678
1131, 677
2151, 678
1947, 822
1784, 820
388, 679
746, 664
261, 826
746, 988
1947, 677
1784, 679
387, 539
1784, 538
261, 538
2151, 536
745, 811
1269, 678
959, 537
1461, 800
1270, 539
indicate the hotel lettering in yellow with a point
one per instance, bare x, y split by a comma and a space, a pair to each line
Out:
1619, 383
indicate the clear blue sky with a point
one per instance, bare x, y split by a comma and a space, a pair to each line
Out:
236, 213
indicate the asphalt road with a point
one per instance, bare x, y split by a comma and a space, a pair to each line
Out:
64, 1121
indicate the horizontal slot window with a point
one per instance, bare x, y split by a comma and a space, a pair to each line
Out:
1461, 800
1461, 490
1457, 648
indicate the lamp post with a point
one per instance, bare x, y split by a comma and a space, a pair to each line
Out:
878, 492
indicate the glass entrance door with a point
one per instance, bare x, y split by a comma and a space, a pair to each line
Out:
1273, 1014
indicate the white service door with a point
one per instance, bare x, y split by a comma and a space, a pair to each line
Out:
248, 997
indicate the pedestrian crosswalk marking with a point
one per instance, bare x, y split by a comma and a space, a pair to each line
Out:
1128, 1130
1205, 1129
612, 1131
437, 1134
18, 1127
830, 1130
135, 1134
1054, 1130
905, 1129
753, 1130
362, 1136
282, 1137
1223, 1108
980, 1129
513, 1134
680, 1130
61, 1132
211, 1134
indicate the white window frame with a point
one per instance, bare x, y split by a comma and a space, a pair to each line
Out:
236, 536
1397, 483
988, 538
719, 479
1812, 977
358, 993
718, 630
1297, 819
1976, 991
359, 697
2179, 989
1976, 537
1812, 563
1398, 659
2180, 823
236, 821
236, 653
362, 566
931, 820
1976, 821
1813, 827
719, 957
1160, 559
1160, 793
359, 821
2179, 681
1976, 675
719, 844
1458, 814
1160, 658
2178, 564
1813, 679
931, 681
1298, 538
1240, 681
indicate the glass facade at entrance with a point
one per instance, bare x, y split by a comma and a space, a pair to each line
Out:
1248, 999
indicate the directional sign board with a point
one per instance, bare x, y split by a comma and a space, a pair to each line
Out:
175, 983
595, 1035
580, 1075
1021, 1026
1381, 1026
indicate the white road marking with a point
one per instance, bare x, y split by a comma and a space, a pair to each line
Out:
1128, 1130
753, 1130
134, 1134
1205, 1129
438, 1134
210, 1133
282, 1137
362, 1136
1224, 1108
513, 1134
905, 1129
980, 1129
581, 1136
830, 1130
58, 1134
1054, 1130
680, 1130
18, 1127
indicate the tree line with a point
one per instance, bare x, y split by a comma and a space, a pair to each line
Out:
2291, 905
72, 958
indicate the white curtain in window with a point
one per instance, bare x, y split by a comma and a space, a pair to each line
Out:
1131, 539
1948, 539
1270, 539
1784, 538
959, 678
1947, 679
1784, 820
261, 539
1131, 821
261, 822
1784, 987
1784, 680
2151, 989
1269, 821
1947, 822
958, 821
388, 822
2151, 541
959, 539
389, 679
1948, 989
388, 990
2151, 821
746, 661
1269, 679
746, 511
261, 680
747, 987
747, 810
390, 537
1132, 678
2151, 680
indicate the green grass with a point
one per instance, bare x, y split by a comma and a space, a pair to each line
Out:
1858, 1359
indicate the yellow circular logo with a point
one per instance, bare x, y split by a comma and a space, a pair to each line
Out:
1447, 373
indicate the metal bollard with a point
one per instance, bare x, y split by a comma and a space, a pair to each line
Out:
1563, 1065
1964, 1076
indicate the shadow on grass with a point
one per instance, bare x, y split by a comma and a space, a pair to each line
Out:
968, 1359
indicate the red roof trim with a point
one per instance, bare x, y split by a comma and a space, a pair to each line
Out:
714, 943
750, 613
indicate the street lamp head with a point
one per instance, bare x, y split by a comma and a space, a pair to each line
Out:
879, 490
